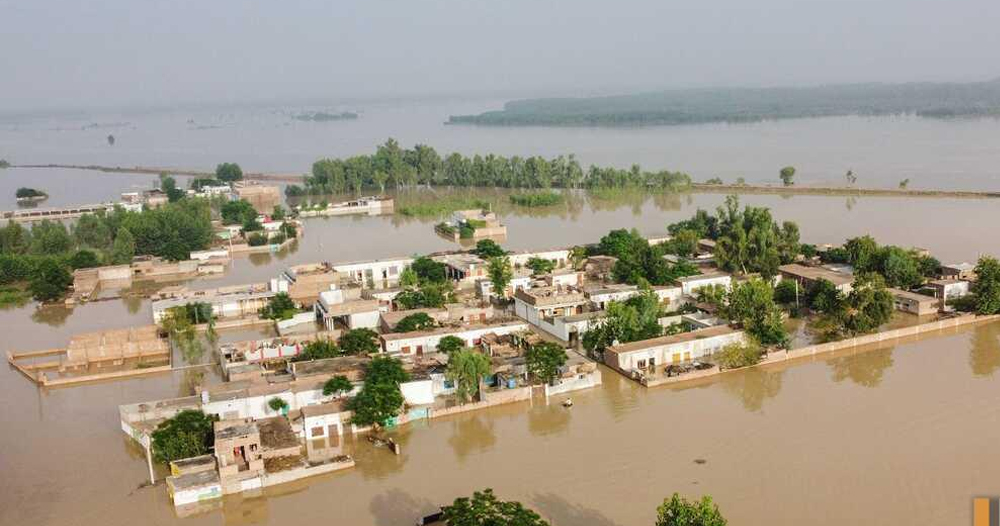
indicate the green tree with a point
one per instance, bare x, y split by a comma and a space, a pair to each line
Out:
987, 286
418, 321
488, 249
541, 266
684, 243
500, 274
678, 511
868, 305
337, 385
380, 398
359, 341
278, 214
408, 278
450, 344
736, 355
751, 303
318, 350
169, 186
123, 249
237, 212
787, 175
484, 509
786, 292
899, 267
50, 281
467, 367
50, 238
14, 239
277, 404
824, 297
188, 434
544, 359
84, 259
228, 172
92, 231
428, 270
279, 307
863, 253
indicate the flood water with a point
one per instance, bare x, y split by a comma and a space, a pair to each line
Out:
900, 435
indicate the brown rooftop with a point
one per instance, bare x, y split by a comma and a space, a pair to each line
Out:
816, 274
710, 332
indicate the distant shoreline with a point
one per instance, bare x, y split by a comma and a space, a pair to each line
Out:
698, 188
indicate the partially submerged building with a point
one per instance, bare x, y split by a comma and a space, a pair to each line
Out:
646, 356
331, 309
421, 342
808, 276
914, 303
226, 302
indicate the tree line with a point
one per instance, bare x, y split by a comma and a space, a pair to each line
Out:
394, 166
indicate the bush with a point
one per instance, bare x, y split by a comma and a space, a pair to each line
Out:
736, 355
318, 350
359, 341
50, 281
537, 199
188, 434
257, 239
228, 172
277, 404
419, 321
337, 384
84, 259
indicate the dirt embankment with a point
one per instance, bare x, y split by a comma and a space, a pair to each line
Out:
695, 187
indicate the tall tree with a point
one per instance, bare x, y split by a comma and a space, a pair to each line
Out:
678, 511
544, 359
484, 509
467, 367
788, 175
500, 273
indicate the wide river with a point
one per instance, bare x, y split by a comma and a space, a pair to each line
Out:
900, 435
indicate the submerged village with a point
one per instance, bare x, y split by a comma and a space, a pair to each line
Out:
362, 347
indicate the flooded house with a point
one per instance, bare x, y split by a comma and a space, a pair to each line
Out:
807, 276
914, 303
421, 342
649, 356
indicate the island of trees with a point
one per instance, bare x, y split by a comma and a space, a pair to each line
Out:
693, 106
30, 195
392, 165
322, 116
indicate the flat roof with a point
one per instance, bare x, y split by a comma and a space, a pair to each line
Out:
329, 408
946, 281
719, 330
816, 273
194, 480
900, 293
707, 275
393, 336
960, 266
351, 307
585, 316
550, 295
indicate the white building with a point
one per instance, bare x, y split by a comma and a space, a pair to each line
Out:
691, 284
357, 314
647, 354
538, 303
420, 342
381, 272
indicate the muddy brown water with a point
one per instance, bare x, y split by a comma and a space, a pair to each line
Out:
905, 434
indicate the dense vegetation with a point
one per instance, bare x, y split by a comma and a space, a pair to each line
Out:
640, 263
900, 267
544, 359
537, 199
30, 193
634, 319
467, 367
188, 434
394, 166
45, 254
747, 240
322, 116
380, 398
484, 509
692, 106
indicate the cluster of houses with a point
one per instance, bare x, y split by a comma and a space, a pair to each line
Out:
560, 307
263, 197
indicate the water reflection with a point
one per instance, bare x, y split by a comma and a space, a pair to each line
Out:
548, 419
473, 434
395, 507
51, 315
753, 386
133, 303
984, 356
865, 369
561, 511
379, 463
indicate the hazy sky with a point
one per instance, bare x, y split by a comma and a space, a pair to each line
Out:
83, 53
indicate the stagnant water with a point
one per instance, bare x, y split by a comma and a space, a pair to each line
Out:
901, 435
